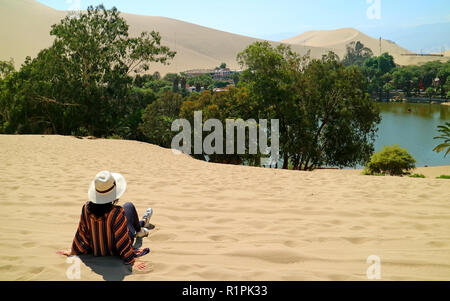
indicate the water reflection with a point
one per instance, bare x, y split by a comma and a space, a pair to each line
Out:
413, 126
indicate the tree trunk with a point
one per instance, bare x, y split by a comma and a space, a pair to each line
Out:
286, 161
296, 162
306, 165
301, 164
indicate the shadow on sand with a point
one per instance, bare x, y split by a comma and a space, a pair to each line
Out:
110, 268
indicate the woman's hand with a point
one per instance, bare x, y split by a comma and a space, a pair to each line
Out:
141, 266
67, 252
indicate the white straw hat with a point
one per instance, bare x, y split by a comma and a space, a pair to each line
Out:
106, 187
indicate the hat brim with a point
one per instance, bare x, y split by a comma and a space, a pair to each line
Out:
121, 186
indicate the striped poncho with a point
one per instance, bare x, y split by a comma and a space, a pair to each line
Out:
105, 236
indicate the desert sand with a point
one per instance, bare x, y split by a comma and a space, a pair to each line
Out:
25, 26
219, 222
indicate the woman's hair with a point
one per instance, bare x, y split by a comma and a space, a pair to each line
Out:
100, 210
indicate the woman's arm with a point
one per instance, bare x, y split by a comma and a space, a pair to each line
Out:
67, 252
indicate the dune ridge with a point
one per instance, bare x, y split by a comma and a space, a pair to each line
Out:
219, 222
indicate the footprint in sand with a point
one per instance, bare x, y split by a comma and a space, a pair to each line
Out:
290, 244
420, 227
36, 270
161, 237
28, 244
222, 238
356, 240
437, 244
357, 228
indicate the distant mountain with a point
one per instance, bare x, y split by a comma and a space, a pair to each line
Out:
338, 40
424, 38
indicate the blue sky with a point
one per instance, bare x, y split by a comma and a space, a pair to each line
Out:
271, 19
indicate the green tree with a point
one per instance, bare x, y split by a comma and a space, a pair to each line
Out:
159, 86
387, 88
157, 75
447, 85
174, 78
183, 80
269, 77
158, 117
406, 78
7, 73
356, 54
430, 92
83, 79
337, 120
141, 80
325, 114
223, 66
204, 80
232, 104
377, 70
6, 68
392, 160
235, 77
220, 84
445, 135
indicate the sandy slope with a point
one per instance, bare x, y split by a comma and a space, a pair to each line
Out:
219, 222
338, 40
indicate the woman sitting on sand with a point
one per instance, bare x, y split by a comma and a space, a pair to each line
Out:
106, 229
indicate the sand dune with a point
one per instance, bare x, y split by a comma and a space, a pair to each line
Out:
25, 25
338, 40
219, 222
445, 53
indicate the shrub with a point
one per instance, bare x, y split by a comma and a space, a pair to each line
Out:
392, 160
366, 172
81, 132
416, 175
444, 177
115, 137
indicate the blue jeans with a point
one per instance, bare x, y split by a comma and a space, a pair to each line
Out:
133, 223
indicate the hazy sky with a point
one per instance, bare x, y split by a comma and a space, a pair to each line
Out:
278, 19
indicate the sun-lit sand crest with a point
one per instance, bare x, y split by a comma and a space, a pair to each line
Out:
220, 222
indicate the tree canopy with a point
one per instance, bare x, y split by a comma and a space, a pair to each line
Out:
83, 79
325, 113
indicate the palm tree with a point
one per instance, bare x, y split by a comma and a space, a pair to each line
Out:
445, 130
183, 80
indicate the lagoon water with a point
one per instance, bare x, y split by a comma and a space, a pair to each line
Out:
413, 126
